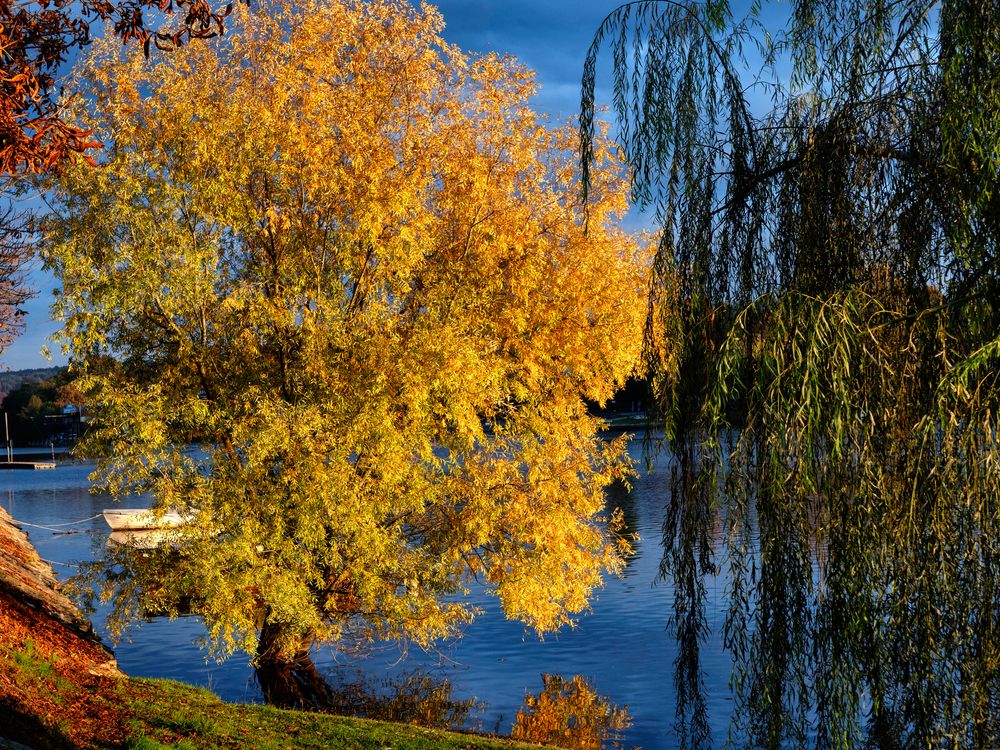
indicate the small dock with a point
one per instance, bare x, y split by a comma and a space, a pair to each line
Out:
28, 465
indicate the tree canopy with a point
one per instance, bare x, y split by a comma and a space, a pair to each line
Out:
36, 136
348, 262
823, 336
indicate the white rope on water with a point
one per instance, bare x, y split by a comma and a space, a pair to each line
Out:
58, 562
55, 528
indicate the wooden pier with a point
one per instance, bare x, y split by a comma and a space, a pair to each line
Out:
29, 465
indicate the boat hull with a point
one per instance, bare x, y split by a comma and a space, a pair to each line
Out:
137, 519
143, 539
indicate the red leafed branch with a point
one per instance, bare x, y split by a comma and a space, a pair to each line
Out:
14, 253
35, 38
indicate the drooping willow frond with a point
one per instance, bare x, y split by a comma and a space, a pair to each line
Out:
823, 341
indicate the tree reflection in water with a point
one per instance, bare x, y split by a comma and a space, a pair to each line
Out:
567, 713
412, 698
570, 714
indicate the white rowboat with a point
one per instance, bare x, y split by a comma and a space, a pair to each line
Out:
133, 519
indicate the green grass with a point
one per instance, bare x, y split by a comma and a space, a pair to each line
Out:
145, 743
33, 671
162, 714
171, 715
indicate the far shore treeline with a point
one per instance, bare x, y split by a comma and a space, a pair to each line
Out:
44, 407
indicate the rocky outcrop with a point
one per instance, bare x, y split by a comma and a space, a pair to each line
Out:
27, 584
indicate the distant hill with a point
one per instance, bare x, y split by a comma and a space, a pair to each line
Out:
12, 379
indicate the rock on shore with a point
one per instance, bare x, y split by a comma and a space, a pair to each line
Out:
47, 647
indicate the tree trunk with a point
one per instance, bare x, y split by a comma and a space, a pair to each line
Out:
289, 680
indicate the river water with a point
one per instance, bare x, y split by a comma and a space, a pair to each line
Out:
623, 647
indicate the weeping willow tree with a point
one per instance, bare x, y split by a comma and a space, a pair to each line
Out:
824, 340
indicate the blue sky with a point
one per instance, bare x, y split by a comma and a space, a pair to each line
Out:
549, 36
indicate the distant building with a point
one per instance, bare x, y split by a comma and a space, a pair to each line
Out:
66, 426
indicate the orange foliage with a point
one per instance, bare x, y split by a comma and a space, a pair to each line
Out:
570, 714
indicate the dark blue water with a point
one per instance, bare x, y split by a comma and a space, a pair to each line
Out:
623, 645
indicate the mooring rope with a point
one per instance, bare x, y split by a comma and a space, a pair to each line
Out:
59, 562
55, 528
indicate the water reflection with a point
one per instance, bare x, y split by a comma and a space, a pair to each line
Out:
568, 713
571, 714
413, 697
416, 697
622, 502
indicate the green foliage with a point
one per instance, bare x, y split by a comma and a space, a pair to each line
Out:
145, 743
823, 338
32, 400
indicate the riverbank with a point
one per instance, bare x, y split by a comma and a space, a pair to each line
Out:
46, 701
61, 688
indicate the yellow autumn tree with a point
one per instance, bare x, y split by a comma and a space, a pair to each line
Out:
348, 263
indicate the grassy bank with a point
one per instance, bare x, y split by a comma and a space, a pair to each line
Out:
168, 714
52, 695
